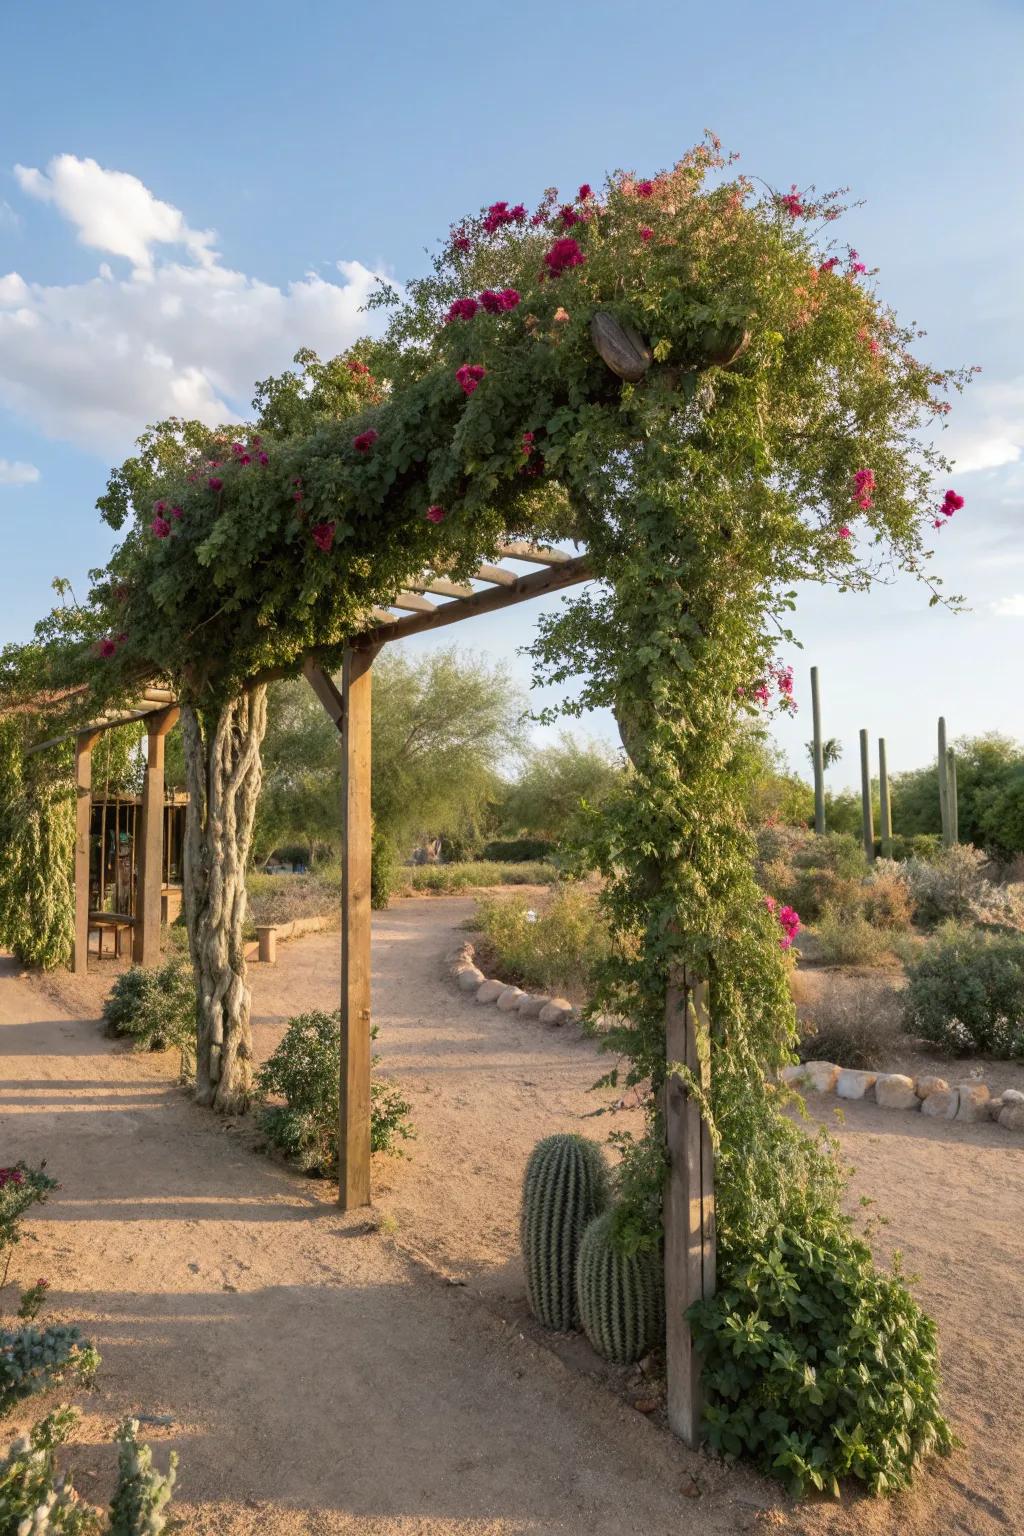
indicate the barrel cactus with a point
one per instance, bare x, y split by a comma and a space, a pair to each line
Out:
621, 1297
565, 1187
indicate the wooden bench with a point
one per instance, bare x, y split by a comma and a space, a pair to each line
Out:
106, 922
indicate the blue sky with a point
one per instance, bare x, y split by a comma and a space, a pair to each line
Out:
321, 142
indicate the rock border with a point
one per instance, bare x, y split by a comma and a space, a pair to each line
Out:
469, 978
970, 1101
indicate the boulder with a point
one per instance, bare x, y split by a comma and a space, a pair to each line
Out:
943, 1105
894, 1091
557, 1011
793, 1074
469, 979
1013, 1096
1011, 1117
508, 1002
490, 991
994, 1107
531, 1007
928, 1085
973, 1104
851, 1084
820, 1075
463, 952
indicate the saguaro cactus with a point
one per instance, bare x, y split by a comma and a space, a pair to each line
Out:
564, 1188
621, 1297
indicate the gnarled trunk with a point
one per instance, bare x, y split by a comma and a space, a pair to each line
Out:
224, 772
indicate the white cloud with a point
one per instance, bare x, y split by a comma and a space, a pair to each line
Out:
17, 472
1010, 607
94, 361
987, 430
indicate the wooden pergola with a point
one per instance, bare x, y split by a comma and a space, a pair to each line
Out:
689, 1211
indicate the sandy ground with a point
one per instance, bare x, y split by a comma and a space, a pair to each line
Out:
332, 1374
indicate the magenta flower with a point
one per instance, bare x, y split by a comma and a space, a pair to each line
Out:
517, 213
499, 214
106, 648
509, 298
160, 527
354, 366
264, 459
490, 301
844, 532
435, 514
864, 485
584, 192
527, 444
791, 202
462, 243
563, 255
469, 376
462, 309
159, 508
323, 536
829, 265
365, 440
951, 503
646, 234
644, 189
569, 216
176, 513
215, 484
538, 218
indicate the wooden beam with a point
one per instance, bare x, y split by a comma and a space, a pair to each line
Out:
150, 847
496, 575
533, 554
324, 688
689, 1206
441, 586
413, 603
536, 584
354, 1084
84, 744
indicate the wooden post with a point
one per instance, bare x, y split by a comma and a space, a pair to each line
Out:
83, 827
149, 874
266, 935
354, 1097
944, 783
867, 815
952, 800
884, 803
689, 1204
819, 758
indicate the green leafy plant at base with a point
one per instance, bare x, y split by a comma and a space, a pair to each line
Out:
555, 942
383, 870
621, 1297
21, 1187
965, 992
156, 1007
846, 939
33, 1359
817, 1365
564, 1187
37, 1501
304, 1071
37, 835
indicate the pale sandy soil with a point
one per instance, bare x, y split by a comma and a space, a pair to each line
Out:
326, 1376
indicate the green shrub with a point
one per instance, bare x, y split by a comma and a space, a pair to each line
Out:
965, 992
518, 850
951, 885
554, 946
32, 1359
21, 1187
851, 940
304, 1070
156, 1007
816, 1364
37, 835
383, 871
445, 879
36, 1501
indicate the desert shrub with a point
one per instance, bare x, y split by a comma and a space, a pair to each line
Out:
444, 879
849, 939
156, 1007
555, 945
965, 992
951, 885
21, 1187
37, 1501
816, 1364
518, 850
853, 1029
926, 846
283, 898
886, 898
33, 1359
304, 1071
383, 870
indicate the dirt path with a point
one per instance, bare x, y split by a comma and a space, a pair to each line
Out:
325, 1376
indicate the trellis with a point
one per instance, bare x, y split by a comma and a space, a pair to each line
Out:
689, 1207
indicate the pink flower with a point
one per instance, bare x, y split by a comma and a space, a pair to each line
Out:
857, 267
951, 503
646, 234
829, 265
569, 216
864, 484
160, 527
356, 367
517, 213
159, 507
490, 301
844, 532
264, 459
469, 376
538, 217
938, 523
462, 309
563, 255
462, 243
296, 496
106, 649
791, 202
644, 189
584, 192
323, 536
509, 298
176, 512
499, 214
435, 514
215, 484
784, 678
364, 441
761, 693
527, 444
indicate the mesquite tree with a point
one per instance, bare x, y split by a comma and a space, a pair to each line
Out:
688, 377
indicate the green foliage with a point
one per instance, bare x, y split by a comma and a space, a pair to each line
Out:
951, 885
32, 1299
564, 1187
21, 1187
33, 1359
555, 783
518, 850
990, 795
769, 792
446, 879
555, 944
37, 1501
816, 1364
846, 938
383, 870
965, 992
37, 835
621, 1297
304, 1071
156, 1007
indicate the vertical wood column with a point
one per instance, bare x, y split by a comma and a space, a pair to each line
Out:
866, 811
819, 757
884, 803
149, 876
83, 823
354, 1087
944, 784
689, 1215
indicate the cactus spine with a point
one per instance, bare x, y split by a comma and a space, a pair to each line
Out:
564, 1188
621, 1296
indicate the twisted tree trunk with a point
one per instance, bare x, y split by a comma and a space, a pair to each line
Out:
224, 772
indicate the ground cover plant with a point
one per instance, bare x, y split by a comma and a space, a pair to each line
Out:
21, 1187
155, 1007
34, 1359
303, 1071
552, 942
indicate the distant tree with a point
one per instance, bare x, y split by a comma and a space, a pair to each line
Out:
771, 792
831, 751
554, 784
990, 794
